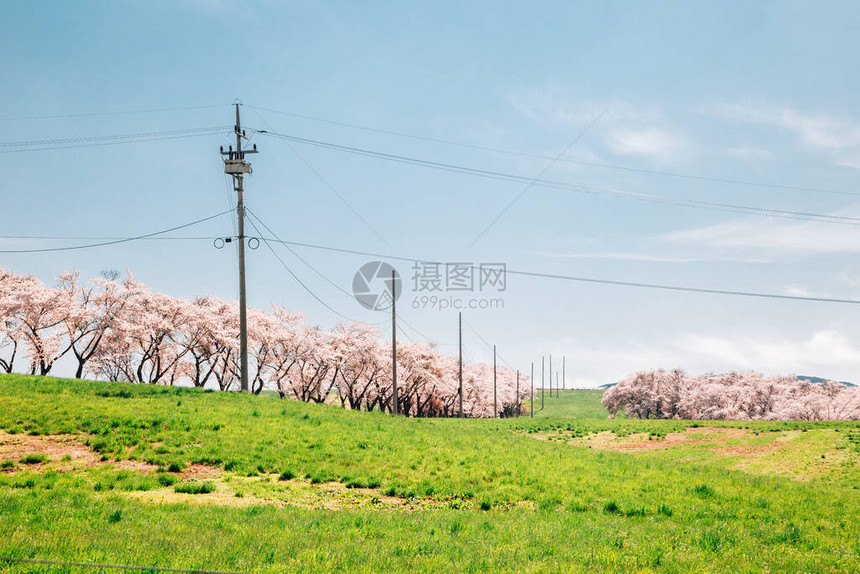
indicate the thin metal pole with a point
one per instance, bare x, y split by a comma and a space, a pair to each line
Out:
542, 385
460, 325
396, 408
517, 399
495, 404
549, 372
243, 310
532, 381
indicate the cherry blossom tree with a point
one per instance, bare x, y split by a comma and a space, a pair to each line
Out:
730, 396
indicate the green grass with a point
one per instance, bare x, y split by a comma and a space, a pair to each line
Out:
193, 487
315, 488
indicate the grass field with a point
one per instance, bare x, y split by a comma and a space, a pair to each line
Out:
181, 478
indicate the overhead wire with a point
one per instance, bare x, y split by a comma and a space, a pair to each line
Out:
578, 188
130, 139
113, 113
325, 182
296, 277
534, 274
596, 280
116, 241
491, 347
303, 260
547, 157
535, 179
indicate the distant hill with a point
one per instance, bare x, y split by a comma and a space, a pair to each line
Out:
812, 379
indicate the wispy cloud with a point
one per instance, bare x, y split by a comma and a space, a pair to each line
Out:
625, 129
838, 136
773, 236
825, 353
624, 256
650, 142
751, 153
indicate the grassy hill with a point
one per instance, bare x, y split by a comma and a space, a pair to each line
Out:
181, 478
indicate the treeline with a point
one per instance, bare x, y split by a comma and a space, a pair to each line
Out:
731, 396
123, 331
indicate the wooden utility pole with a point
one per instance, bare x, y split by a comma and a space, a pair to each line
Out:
460, 321
396, 409
236, 167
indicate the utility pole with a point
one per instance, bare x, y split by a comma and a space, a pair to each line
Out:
495, 405
517, 399
460, 325
532, 381
549, 371
394, 341
236, 166
542, 385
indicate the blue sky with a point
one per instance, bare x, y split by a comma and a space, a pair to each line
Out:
760, 92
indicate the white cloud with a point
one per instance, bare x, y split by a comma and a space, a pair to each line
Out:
824, 353
839, 136
751, 153
624, 256
651, 142
773, 236
622, 129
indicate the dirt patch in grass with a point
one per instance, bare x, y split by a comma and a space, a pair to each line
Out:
239, 491
68, 453
797, 455
692, 436
64, 452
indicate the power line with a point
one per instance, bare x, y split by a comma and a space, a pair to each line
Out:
102, 238
488, 345
115, 113
492, 174
116, 241
567, 160
299, 281
414, 259
32, 143
536, 178
110, 566
299, 257
112, 143
597, 280
303, 260
327, 184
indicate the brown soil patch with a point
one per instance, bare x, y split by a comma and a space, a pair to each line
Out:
201, 472
690, 436
56, 448
266, 489
53, 447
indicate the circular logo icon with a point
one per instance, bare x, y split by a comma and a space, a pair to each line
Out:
373, 288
